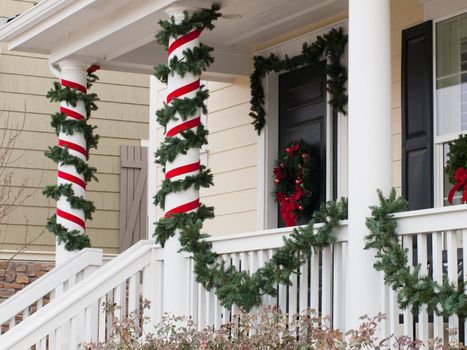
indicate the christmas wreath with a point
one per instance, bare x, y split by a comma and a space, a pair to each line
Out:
456, 167
295, 182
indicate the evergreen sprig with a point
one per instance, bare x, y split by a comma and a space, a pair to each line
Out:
330, 46
58, 93
171, 147
76, 202
61, 155
73, 239
199, 20
194, 61
61, 123
202, 179
413, 288
184, 107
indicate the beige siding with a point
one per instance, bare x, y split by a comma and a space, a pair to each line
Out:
404, 14
122, 118
232, 158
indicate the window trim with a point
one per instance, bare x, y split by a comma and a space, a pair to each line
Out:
268, 141
439, 141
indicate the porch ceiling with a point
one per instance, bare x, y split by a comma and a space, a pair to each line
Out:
119, 34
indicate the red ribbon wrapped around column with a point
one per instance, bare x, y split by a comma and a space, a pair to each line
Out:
461, 181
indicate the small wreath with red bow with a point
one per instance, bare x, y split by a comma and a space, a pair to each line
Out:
456, 167
295, 182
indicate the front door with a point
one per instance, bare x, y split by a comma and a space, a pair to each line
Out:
302, 115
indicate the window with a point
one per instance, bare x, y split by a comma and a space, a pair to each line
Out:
450, 87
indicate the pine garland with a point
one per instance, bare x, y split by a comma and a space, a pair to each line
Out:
331, 46
73, 239
231, 286
413, 289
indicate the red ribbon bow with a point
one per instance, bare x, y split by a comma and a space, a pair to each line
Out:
288, 206
461, 181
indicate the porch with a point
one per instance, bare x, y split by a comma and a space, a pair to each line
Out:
435, 239
338, 281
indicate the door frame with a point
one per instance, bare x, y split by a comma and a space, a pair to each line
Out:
268, 141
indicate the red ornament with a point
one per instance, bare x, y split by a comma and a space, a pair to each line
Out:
276, 181
300, 208
298, 181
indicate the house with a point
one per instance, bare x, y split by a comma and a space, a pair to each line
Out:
406, 63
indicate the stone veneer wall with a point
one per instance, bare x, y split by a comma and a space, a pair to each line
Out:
15, 275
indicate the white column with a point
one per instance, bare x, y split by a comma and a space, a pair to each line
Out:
74, 75
175, 267
370, 166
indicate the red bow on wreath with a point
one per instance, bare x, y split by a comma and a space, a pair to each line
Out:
461, 180
289, 206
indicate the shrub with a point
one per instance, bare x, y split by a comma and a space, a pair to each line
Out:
267, 329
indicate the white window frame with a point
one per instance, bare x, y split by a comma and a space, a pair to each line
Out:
439, 141
268, 141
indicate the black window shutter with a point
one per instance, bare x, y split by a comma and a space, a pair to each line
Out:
417, 116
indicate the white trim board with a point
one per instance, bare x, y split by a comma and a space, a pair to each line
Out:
268, 140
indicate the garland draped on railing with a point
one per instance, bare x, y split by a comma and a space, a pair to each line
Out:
330, 46
231, 286
69, 122
413, 289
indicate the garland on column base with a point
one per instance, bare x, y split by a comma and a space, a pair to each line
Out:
331, 46
413, 289
72, 239
231, 286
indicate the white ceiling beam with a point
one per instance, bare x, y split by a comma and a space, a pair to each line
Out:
38, 19
133, 12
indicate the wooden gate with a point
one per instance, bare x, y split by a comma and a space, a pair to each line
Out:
133, 195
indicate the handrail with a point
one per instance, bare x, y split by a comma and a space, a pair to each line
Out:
79, 297
267, 239
432, 220
49, 282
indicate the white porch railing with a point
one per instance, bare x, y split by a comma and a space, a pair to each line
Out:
434, 238
78, 316
320, 284
58, 280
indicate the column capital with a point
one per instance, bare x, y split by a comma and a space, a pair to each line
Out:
177, 10
74, 64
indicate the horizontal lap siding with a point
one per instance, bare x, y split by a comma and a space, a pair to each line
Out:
122, 119
404, 14
232, 158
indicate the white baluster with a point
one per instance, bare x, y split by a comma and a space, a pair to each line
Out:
422, 255
326, 292
451, 245
438, 323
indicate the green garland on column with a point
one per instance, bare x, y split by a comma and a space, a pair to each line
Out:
72, 239
413, 289
231, 286
330, 46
